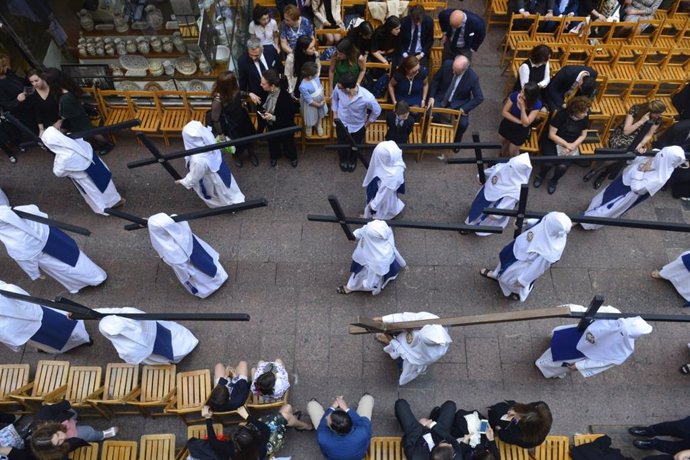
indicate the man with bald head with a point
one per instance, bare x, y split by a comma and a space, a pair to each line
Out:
463, 32
456, 86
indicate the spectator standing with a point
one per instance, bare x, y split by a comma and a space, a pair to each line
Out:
343, 434
312, 99
347, 59
294, 25
13, 94
251, 65
277, 112
463, 32
519, 112
43, 102
569, 81
417, 35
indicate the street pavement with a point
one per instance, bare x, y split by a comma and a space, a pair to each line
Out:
284, 272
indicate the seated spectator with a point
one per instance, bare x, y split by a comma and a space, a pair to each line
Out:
264, 28
12, 444
251, 65
400, 124
305, 51
428, 438
474, 444
270, 380
347, 59
640, 9
231, 388
410, 83
342, 433
569, 81
276, 112
456, 86
293, 27
678, 449
62, 415
567, 130
385, 41
417, 35
525, 8
463, 32
327, 16
519, 112
54, 441
361, 37
525, 425
304, 7
535, 68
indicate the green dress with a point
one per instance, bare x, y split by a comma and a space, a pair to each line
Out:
342, 67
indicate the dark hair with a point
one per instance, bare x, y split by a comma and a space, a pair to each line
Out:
266, 382
226, 87
299, 55
485, 455
534, 420
341, 422
348, 80
407, 64
59, 81
392, 22
349, 49
578, 104
416, 13
361, 35
37, 72
247, 441
272, 77
532, 93
589, 86
401, 107
42, 442
442, 452
259, 12
219, 396
540, 54
383, 38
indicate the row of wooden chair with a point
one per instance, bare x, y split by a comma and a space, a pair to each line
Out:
159, 391
554, 448
149, 447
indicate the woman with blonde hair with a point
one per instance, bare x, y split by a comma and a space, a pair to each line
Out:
634, 134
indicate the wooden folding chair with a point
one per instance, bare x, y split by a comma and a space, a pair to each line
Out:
327, 126
114, 108
347, 4
157, 447
641, 91
567, 37
121, 384
51, 376
175, 111
438, 33
511, 451
673, 32
193, 389
580, 439
665, 93
435, 59
259, 403
376, 131
603, 58
146, 106
646, 33
156, 391
531, 145
554, 448
417, 134
628, 62
385, 448
610, 99
496, 12
517, 34
597, 134
119, 450
547, 30
83, 382
199, 104
621, 32
441, 132
89, 452
576, 54
14, 379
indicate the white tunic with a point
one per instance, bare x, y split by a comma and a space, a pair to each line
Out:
677, 273
72, 158
134, 339
20, 320
427, 345
203, 169
173, 243
519, 278
388, 166
4, 201
25, 240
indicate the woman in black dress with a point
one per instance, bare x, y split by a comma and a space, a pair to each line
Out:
278, 111
229, 117
519, 112
360, 36
43, 102
525, 425
385, 42
12, 98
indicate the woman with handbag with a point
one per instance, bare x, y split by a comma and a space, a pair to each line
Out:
229, 117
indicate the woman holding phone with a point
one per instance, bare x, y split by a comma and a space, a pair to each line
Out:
474, 429
14, 91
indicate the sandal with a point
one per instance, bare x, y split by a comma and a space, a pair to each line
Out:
514, 296
655, 274
486, 273
341, 290
684, 369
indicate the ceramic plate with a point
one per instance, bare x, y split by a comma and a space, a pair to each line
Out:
185, 65
153, 86
128, 86
196, 85
134, 62
169, 85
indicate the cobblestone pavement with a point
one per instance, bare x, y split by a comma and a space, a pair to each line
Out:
284, 271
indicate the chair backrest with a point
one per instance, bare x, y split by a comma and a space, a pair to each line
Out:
193, 389
12, 377
50, 375
82, 381
554, 448
604, 55
673, 29
143, 100
568, 23
157, 381
176, 100
417, 134
119, 450
580, 439
511, 451
621, 32
385, 448
576, 54
120, 380
547, 30
436, 58
255, 402
200, 431
157, 447
109, 99
376, 132
647, 29
600, 123
516, 25
442, 132
89, 452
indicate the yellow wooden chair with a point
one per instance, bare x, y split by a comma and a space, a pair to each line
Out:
376, 131
157, 447
441, 132
621, 32
146, 106
576, 54
580, 439
51, 376
597, 134
647, 33
175, 111
516, 34
435, 59
83, 382
326, 125
156, 391
417, 134
89, 452
611, 96
438, 33
199, 104
121, 383
641, 91
565, 37
673, 32
531, 145
496, 12
193, 389
114, 108
629, 61
386, 448
550, 37
511, 451
14, 379
554, 448
347, 4
119, 450
603, 58
665, 93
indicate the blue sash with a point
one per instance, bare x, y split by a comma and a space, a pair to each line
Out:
202, 260
99, 174
355, 267
564, 343
163, 344
618, 188
224, 172
393, 271
55, 330
373, 189
686, 260
401, 189
62, 247
507, 257
480, 202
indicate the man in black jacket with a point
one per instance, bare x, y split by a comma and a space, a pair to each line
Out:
570, 81
463, 32
417, 35
251, 65
428, 438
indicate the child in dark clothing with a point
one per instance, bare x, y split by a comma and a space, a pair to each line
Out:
400, 123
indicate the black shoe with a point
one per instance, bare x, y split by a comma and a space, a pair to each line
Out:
433, 415
352, 166
344, 166
597, 183
293, 163
238, 161
641, 431
456, 150
645, 444
105, 150
253, 159
274, 163
552, 187
588, 176
537, 181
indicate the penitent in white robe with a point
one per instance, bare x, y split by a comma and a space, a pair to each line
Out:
679, 275
4, 201
25, 240
385, 178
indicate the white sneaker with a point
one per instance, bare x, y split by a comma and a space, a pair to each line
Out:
319, 130
308, 131
110, 432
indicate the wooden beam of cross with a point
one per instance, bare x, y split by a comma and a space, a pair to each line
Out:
52, 222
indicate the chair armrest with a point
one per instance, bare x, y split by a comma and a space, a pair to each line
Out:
95, 394
136, 391
56, 394
22, 390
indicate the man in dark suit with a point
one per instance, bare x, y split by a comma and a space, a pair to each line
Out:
251, 65
417, 35
400, 123
428, 437
527, 7
570, 81
456, 86
463, 32
677, 134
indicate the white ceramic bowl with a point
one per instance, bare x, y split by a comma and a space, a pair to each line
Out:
222, 54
